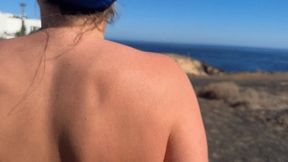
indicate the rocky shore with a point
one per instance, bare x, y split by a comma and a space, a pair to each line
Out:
195, 67
245, 114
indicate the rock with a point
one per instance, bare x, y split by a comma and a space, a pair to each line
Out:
194, 67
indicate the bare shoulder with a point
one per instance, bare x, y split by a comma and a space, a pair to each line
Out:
155, 78
158, 71
157, 82
4, 46
172, 85
12, 43
152, 63
8, 54
14, 48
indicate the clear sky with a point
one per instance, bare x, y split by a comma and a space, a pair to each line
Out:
232, 22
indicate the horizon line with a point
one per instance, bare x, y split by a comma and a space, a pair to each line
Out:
201, 44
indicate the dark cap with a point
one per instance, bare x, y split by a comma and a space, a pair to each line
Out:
84, 5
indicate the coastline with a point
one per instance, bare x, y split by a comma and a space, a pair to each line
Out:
197, 68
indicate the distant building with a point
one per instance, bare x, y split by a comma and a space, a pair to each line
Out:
10, 24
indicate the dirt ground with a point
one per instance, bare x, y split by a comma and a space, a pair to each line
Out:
247, 121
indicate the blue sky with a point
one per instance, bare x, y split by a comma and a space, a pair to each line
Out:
262, 23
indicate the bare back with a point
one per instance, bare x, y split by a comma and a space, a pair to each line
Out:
98, 101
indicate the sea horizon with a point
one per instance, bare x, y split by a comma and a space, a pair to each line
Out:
229, 58
201, 44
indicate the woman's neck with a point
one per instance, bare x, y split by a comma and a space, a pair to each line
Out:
72, 32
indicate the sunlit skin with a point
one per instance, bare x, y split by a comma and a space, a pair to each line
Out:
94, 101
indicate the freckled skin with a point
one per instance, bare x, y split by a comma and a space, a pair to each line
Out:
95, 102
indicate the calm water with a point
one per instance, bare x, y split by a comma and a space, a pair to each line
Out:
227, 58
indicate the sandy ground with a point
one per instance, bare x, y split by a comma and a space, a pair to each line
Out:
249, 121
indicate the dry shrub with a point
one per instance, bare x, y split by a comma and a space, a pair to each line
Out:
224, 90
250, 98
280, 118
283, 119
231, 93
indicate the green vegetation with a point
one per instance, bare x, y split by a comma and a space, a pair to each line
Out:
22, 31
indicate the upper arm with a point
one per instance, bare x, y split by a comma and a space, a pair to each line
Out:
167, 89
187, 141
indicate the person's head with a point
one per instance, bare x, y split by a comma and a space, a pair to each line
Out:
83, 13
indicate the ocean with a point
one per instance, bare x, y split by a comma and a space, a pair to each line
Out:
226, 58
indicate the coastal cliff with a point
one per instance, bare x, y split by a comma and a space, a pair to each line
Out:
195, 67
